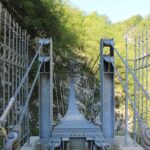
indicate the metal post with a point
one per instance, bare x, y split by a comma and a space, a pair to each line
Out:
51, 84
147, 74
4, 64
44, 106
126, 102
46, 94
27, 85
138, 72
16, 69
135, 92
13, 67
107, 89
9, 69
142, 74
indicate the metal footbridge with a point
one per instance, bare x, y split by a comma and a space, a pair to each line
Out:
73, 128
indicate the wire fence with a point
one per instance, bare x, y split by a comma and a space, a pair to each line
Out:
142, 71
136, 84
13, 65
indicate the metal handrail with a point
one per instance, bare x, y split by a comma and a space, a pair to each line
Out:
127, 94
29, 95
13, 98
144, 129
134, 76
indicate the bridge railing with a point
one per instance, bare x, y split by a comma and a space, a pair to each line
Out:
142, 71
13, 65
137, 99
15, 69
19, 133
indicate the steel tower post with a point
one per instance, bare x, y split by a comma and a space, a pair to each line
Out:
45, 93
107, 88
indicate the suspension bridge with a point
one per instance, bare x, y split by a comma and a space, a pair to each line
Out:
73, 131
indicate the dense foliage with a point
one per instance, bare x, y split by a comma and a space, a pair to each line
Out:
72, 29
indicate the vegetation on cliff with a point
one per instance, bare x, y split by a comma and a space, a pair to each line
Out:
76, 35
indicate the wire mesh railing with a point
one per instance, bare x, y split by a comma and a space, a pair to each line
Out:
142, 71
13, 65
20, 131
15, 69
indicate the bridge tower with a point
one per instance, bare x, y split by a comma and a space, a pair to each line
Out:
45, 92
107, 88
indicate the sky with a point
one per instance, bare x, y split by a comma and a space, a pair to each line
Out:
116, 10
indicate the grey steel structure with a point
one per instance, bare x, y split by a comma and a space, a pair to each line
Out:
137, 99
107, 88
73, 128
45, 93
